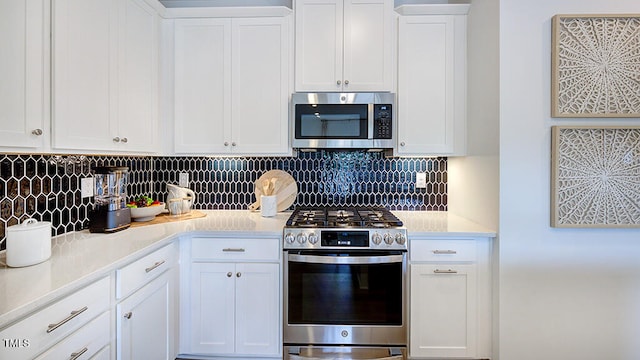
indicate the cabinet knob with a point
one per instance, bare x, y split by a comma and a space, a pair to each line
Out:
37, 132
238, 274
233, 143
116, 139
226, 143
229, 274
346, 82
402, 143
128, 315
339, 82
124, 140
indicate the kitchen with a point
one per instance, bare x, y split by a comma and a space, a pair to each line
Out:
548, 279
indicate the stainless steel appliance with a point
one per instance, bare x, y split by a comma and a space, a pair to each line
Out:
110, 212
344, 284
343, 120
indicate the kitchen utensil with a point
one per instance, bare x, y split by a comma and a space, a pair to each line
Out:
177, 192
284, 188
28, 243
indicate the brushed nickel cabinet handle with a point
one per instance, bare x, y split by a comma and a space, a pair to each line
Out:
37, 132
128, 315
448, 271
152, 267
444, 252
233, 250
75, 355
73, 314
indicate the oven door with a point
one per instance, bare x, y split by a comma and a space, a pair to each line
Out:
345, 297
343, 352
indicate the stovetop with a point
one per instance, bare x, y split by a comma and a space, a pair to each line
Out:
371, 228
343, 217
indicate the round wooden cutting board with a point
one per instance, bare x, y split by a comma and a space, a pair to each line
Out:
285, 188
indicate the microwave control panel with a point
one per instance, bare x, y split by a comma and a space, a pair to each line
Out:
382, 121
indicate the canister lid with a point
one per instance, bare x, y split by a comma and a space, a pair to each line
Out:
29, 225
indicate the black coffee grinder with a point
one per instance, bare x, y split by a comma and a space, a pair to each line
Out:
110, 213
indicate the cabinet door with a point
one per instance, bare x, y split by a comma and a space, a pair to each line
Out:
431, 85
443, 310
145, 321
260, 85
84, 74
257, 309
138, 77
212, 308
368, 45
319, 36
23, 37
202, 85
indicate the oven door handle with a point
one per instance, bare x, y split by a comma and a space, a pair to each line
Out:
315, 259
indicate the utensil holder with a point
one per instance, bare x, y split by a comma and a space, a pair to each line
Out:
268, 205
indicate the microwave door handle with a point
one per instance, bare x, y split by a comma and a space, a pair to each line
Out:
314, 259
370, 121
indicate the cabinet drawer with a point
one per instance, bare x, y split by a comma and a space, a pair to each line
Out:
235, 249
442, 250
141, 271
84, 343
49, 325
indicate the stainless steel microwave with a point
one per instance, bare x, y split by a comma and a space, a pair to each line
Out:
343, 120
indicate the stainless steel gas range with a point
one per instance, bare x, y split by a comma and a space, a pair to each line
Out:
344, 284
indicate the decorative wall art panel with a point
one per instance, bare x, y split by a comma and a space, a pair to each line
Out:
595, 177
595, 66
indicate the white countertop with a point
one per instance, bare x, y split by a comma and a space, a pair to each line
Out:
79, 258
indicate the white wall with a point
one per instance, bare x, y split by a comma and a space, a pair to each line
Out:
564, 293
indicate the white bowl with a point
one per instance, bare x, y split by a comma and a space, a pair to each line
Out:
147, 213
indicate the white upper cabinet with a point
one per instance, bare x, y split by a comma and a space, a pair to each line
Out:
138, 77
431, 85
104, 75
24, 40
232, 85
344, 45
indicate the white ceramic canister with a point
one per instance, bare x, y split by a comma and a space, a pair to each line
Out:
28, 243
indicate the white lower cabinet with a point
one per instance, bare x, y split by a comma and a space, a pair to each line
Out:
144, 322
67, 326
443, 310
86, 343
146, 319
232, 302
450, 299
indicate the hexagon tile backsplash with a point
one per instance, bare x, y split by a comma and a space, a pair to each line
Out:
47, 187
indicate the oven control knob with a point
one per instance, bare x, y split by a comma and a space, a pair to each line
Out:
400, 239
313, 238
376, 238
388, 239
302, 238
289, 238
